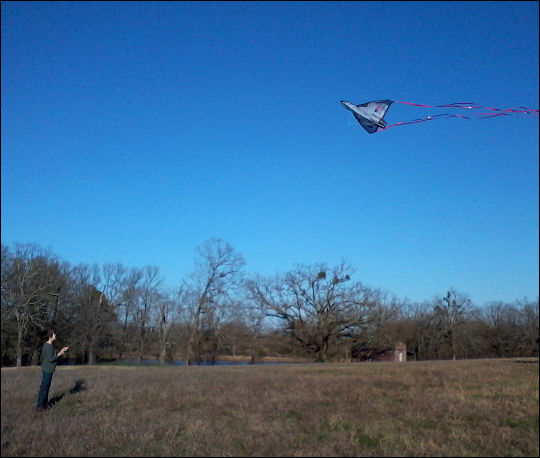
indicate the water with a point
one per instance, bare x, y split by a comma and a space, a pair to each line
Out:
207, 363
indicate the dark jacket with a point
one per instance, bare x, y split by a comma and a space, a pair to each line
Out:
49, 360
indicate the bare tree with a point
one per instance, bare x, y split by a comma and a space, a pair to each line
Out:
529, 310
113, 280
168, 311
248, 319
128, 305
380, 331
217, 271
513, 328
449, 313
319, 305
148, 298
31, 281
95, 316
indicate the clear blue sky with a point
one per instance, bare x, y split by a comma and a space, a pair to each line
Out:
134, 132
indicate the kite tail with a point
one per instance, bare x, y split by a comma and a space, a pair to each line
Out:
428, 118
474, 106
467, 106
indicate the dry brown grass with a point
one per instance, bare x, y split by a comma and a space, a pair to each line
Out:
461, 408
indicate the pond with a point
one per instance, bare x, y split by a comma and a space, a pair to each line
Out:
129, 361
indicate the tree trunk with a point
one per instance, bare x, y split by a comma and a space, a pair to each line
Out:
189, 346
320, 356
191, 339
141, 343
35, 357
19, 346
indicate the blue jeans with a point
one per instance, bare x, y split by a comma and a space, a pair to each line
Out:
43, 396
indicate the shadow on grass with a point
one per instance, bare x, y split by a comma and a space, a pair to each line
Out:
80, 385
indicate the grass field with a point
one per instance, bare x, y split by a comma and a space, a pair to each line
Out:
441, 408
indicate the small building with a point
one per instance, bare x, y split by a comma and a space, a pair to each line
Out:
398, 354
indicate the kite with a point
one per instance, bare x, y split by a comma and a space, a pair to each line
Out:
370, 115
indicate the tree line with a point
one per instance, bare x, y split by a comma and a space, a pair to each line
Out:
318, 312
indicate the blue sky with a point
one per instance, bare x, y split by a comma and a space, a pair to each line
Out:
133, 132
